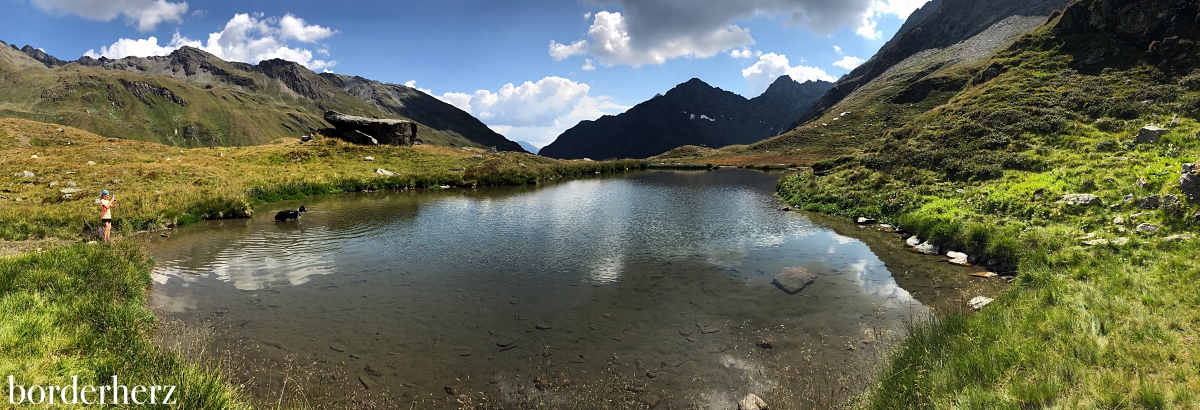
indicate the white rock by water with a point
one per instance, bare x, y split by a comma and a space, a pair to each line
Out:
928, 248
913, 241
979, 302
958, 258
384, 172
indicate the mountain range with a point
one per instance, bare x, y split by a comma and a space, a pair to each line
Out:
193, 98
692, 113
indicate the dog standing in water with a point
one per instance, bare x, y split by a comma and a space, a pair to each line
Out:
284, 216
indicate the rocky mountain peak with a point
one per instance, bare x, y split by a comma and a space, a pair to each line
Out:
39, 55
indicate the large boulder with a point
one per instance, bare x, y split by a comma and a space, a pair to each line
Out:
1150, 134
371, 131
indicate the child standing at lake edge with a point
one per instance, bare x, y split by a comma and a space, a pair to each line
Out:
106, 206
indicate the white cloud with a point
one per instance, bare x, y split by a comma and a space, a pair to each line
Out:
612, 43
530, 104
743, 53
653, 31
588, 108
413, 84
837, 49
587, 65
144, 14
247, 38
849, 62
770, 66
587, 16
294, 27
536, 112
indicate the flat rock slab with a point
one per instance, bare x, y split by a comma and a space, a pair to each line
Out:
979, 302
1080, 199
794, 279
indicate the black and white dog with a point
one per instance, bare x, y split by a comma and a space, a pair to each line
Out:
284, 216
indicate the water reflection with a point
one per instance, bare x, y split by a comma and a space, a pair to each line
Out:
656, 266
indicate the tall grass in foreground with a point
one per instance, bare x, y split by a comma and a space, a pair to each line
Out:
81, 311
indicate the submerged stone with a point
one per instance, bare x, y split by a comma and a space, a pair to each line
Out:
793, 279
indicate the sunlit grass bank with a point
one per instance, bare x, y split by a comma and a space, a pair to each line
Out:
157, 186
80, 311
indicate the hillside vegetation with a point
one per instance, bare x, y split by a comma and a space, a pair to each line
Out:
1104, 312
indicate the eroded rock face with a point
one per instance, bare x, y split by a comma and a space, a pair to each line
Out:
371, 131
1099, 31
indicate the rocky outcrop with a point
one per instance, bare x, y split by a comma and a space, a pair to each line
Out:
1098, 32
692, 113
41, 56
143, 91
371, 131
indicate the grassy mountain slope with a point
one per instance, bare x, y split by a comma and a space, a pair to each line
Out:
909, 88
189, 98
1104, 311
948, 23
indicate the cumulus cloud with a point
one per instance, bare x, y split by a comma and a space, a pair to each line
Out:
770, 66
837, 49
613, 42
588, 65
413, 84
743, 53
294, 27
536, 112
653, 31
527, 105
144, 14
247, 38
849, 62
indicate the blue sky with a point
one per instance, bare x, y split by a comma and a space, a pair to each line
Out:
528, 69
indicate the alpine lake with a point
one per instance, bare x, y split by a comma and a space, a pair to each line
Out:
635, 290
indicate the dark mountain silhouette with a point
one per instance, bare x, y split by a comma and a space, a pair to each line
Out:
692, 113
